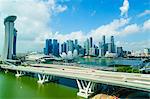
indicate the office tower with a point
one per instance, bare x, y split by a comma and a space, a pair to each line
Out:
14, 42
96, 50
70, 45
109, 47
55, 49
91, 42
112, 45
63, 48
103, 46
103, 40
100, 49
86, 46
76, 42
81, 51
48, 47
76, 46
119, 51
92, 51
10, 38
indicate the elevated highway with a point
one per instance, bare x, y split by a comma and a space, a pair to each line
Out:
86, 77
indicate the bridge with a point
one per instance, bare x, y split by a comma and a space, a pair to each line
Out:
86, 78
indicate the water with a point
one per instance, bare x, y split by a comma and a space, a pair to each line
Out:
27, 87
106, 62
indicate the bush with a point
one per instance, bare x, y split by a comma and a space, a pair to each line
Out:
127, 69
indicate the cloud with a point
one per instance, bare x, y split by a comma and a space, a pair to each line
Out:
33, 18
139, 45
146, 25
146, 12
60, 8
124, 8
130, 29
109, 29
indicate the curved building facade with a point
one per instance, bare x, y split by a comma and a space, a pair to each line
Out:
9, 50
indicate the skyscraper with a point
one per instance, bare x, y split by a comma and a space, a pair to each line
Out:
14, 42
103, 46
63, 48
113, 50
91, 42
70, 45
55, 49
10, 38
119, 51
103, 39
100, 49
48, 47
87, 46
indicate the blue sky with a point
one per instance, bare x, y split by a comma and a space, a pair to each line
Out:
127, 20
89, 14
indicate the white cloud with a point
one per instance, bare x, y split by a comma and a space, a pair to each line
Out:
139, 45
146, 12
33, 18
109, 29
146, 25
125, 7
130, 29
60, 8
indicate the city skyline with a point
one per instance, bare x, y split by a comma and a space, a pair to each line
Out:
65, 19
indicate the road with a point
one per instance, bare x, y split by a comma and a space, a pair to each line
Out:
128, 80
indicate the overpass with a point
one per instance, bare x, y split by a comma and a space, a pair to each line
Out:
86, 78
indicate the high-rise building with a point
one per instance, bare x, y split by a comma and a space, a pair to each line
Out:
91, 42
87, 47
119, 51
51, 48
113, 50
10, 38
64, 47
103, 46
109, 47
100, 49
70, 45
55, 49
14, 42
103, 40
96, 50
48, 47
76, 46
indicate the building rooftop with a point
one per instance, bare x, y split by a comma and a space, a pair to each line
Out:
10, 19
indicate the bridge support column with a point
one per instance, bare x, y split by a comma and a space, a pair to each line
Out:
42, 78
86, 88
20, 73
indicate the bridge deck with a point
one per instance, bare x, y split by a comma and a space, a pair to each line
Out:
128, 80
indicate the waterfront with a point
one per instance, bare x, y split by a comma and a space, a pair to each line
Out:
12, 87
99, 62
23, 87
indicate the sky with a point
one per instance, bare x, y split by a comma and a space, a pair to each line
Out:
38, 20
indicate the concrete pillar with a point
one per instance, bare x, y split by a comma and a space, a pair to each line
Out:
86, 88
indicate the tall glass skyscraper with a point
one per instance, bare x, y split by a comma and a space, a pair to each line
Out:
55, 49
113, 50
48, 47
10, 38
91, 42
70, 45
63, 48
103, 46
